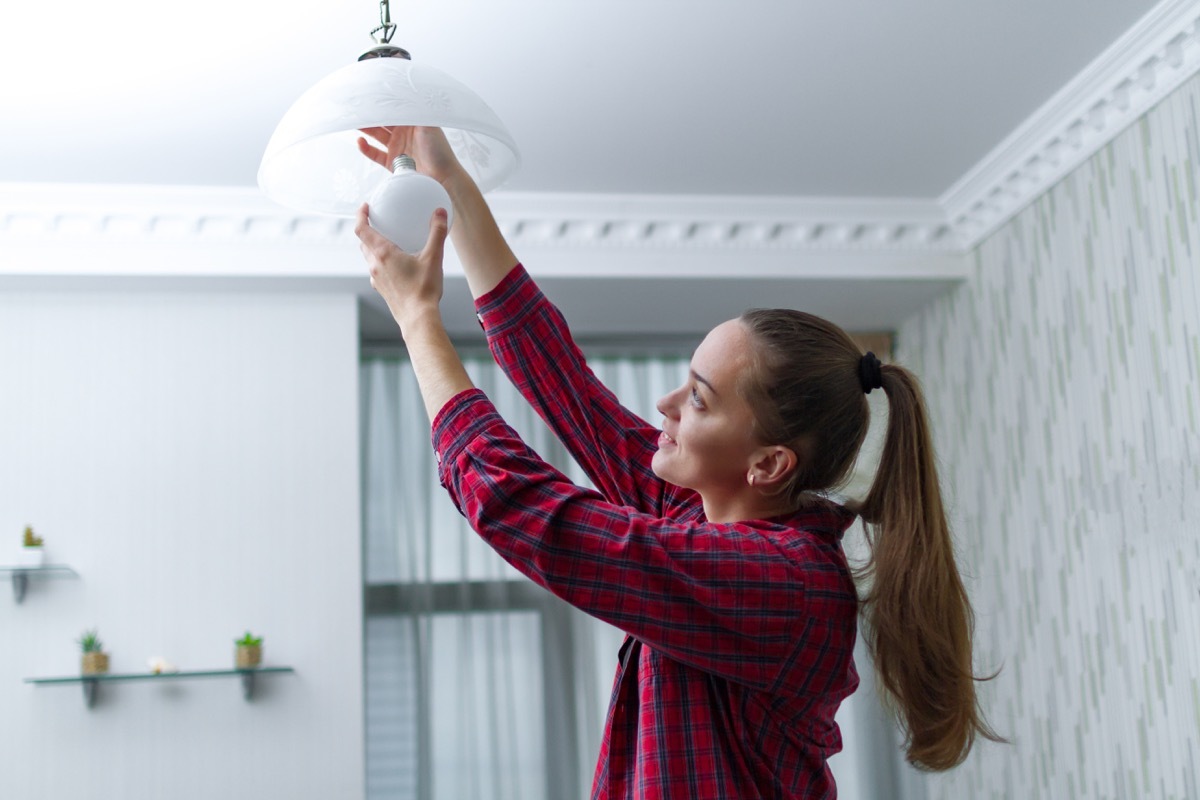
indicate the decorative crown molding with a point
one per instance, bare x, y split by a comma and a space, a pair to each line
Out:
40, 211
180, 230
701, 222
1146, 64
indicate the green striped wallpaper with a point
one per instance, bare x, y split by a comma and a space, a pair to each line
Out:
1065, 379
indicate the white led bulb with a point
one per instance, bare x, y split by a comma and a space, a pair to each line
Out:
403, 205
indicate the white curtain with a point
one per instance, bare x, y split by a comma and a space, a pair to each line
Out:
478, 683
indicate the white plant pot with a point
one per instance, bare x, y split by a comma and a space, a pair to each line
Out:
31, 557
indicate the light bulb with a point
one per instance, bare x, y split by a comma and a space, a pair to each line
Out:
403, 205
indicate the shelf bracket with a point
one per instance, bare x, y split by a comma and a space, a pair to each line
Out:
89, 692
247, 684
20, 580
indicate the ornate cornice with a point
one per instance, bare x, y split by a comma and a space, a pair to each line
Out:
125, 213
720, 236
1147, 63
723, 222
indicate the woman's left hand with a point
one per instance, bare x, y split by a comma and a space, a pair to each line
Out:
411, 284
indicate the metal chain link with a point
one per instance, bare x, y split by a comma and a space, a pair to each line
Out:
385, 24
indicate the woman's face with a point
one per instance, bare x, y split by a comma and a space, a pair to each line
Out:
708, 437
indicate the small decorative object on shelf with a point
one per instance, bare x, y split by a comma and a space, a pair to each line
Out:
160, 666
32, 554
248, 654
95, 660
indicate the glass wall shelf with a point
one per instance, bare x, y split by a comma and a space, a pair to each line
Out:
90, 682
21, 576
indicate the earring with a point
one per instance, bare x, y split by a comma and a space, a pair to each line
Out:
751, 478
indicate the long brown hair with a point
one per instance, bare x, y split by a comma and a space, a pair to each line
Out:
806, 393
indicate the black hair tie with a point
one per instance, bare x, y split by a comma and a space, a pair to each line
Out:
870, 372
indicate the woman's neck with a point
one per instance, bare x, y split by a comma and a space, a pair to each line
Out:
745, 506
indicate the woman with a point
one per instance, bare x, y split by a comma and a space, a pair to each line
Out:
709, 542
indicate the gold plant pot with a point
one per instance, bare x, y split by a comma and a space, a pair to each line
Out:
248, 656
95, 663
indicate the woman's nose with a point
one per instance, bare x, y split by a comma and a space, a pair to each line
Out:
666, 406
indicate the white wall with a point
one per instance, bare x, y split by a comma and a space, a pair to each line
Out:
194, 456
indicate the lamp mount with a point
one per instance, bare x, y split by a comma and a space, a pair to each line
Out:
382, 34
385, 24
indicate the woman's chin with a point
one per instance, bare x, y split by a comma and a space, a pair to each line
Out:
661, 467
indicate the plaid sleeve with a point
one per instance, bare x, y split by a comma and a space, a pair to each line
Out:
530, 341
726, 599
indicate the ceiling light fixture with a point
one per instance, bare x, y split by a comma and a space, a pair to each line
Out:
312, 163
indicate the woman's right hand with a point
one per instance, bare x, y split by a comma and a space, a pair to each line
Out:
427, 146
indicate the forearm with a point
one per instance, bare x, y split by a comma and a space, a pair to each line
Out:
531, 342
439, 370
485, 255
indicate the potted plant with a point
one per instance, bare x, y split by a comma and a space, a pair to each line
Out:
248, 654
95, 660
32, 554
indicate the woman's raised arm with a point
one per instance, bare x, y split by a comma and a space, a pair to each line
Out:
528, 336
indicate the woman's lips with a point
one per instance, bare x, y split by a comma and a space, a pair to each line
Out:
665, 441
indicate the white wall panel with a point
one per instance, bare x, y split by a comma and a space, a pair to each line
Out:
194, 457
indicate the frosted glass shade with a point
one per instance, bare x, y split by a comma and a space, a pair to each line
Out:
312, 163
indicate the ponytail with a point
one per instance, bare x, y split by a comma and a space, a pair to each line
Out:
918, 622
807, 389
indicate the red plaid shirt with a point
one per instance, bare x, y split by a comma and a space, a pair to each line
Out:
740, 634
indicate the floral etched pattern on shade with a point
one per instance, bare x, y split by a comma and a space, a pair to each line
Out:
311, 162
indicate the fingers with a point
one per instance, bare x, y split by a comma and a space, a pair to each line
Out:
361, 223
371, 152
435, 245
371, 238
389, 136
380, 134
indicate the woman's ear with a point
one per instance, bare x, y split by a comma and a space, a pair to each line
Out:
771, 467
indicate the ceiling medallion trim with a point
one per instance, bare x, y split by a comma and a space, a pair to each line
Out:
1146, 64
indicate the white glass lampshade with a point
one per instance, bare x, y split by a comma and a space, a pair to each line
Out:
312, 163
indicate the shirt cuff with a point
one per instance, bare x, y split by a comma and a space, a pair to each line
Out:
504, 307
457, 422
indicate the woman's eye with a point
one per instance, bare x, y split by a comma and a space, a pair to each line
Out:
696, 401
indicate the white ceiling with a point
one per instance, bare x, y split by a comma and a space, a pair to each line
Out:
852, 98
754, 98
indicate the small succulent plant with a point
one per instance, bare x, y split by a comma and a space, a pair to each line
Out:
249, 640
90, 642
31, 539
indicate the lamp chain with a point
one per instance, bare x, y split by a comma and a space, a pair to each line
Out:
385, 24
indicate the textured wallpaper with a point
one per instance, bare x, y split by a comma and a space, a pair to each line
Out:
1064, 381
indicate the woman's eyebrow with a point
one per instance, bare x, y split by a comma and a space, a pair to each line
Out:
697, 376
